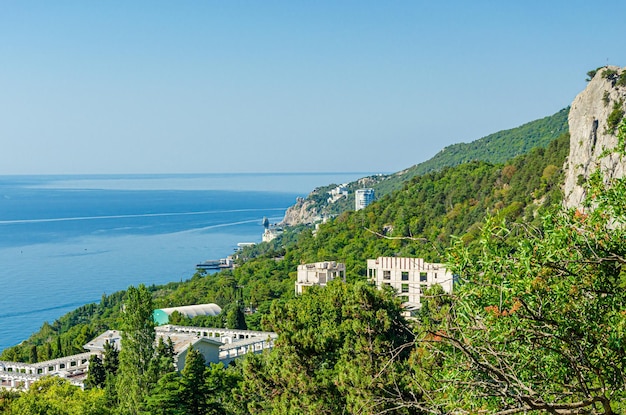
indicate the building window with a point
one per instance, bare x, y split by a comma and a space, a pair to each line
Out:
405, 275
435, 275
387, 284
386, 275
423, 277
405, 288
404, 298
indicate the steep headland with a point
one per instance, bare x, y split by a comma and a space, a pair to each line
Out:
593, 119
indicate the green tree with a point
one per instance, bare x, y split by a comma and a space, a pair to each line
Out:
222, 385
110, 363
96, 375
341, 349
235, 317
56, 396
163, 360
194, 392
33, 354
111, 359
165, 398
58, 350
47, 351
133, 379
6, 399
538, 323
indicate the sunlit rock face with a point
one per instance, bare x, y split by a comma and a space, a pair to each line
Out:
591, 118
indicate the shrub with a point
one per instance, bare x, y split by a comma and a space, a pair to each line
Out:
615, 116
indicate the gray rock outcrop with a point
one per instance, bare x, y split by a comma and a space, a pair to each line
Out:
303, 212
591, 118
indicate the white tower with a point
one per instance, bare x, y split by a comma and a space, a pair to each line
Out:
362, 198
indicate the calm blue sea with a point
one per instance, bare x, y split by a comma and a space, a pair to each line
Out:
66, 240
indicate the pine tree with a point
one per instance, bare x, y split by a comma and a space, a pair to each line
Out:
96, 375
194, 391
111, 359
134, 380
163, 361
235, 318
165, 398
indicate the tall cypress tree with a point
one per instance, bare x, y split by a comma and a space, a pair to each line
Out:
33, 358
111, 359
58, 350
96, 375
134, 380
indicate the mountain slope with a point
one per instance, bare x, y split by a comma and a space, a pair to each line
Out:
494, 148
498, 147
431, 208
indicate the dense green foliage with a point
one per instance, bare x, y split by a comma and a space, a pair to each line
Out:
499, 147
138, 338
56, 396
429, 209
333, 353
495, 148
420, 219
536, 324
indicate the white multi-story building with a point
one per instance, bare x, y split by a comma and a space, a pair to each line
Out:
410, 277
362, 198
337, 193
271, 233
318, 273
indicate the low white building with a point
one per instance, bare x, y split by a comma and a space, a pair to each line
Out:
318, 273
410, 277
215, 344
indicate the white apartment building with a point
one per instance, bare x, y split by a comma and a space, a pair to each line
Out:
337, 193
318, 273
362, 198
410, 277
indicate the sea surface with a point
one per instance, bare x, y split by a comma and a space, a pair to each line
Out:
66, 240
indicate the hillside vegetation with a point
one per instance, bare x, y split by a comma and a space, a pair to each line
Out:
535, 325
495, 148
425, 214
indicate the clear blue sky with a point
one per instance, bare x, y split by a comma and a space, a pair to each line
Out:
266, 86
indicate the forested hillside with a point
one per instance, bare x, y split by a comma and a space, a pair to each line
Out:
424, 215
495, 148
535, 324
498, 147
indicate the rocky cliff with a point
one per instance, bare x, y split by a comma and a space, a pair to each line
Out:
319, 204
303, 212
593, 119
